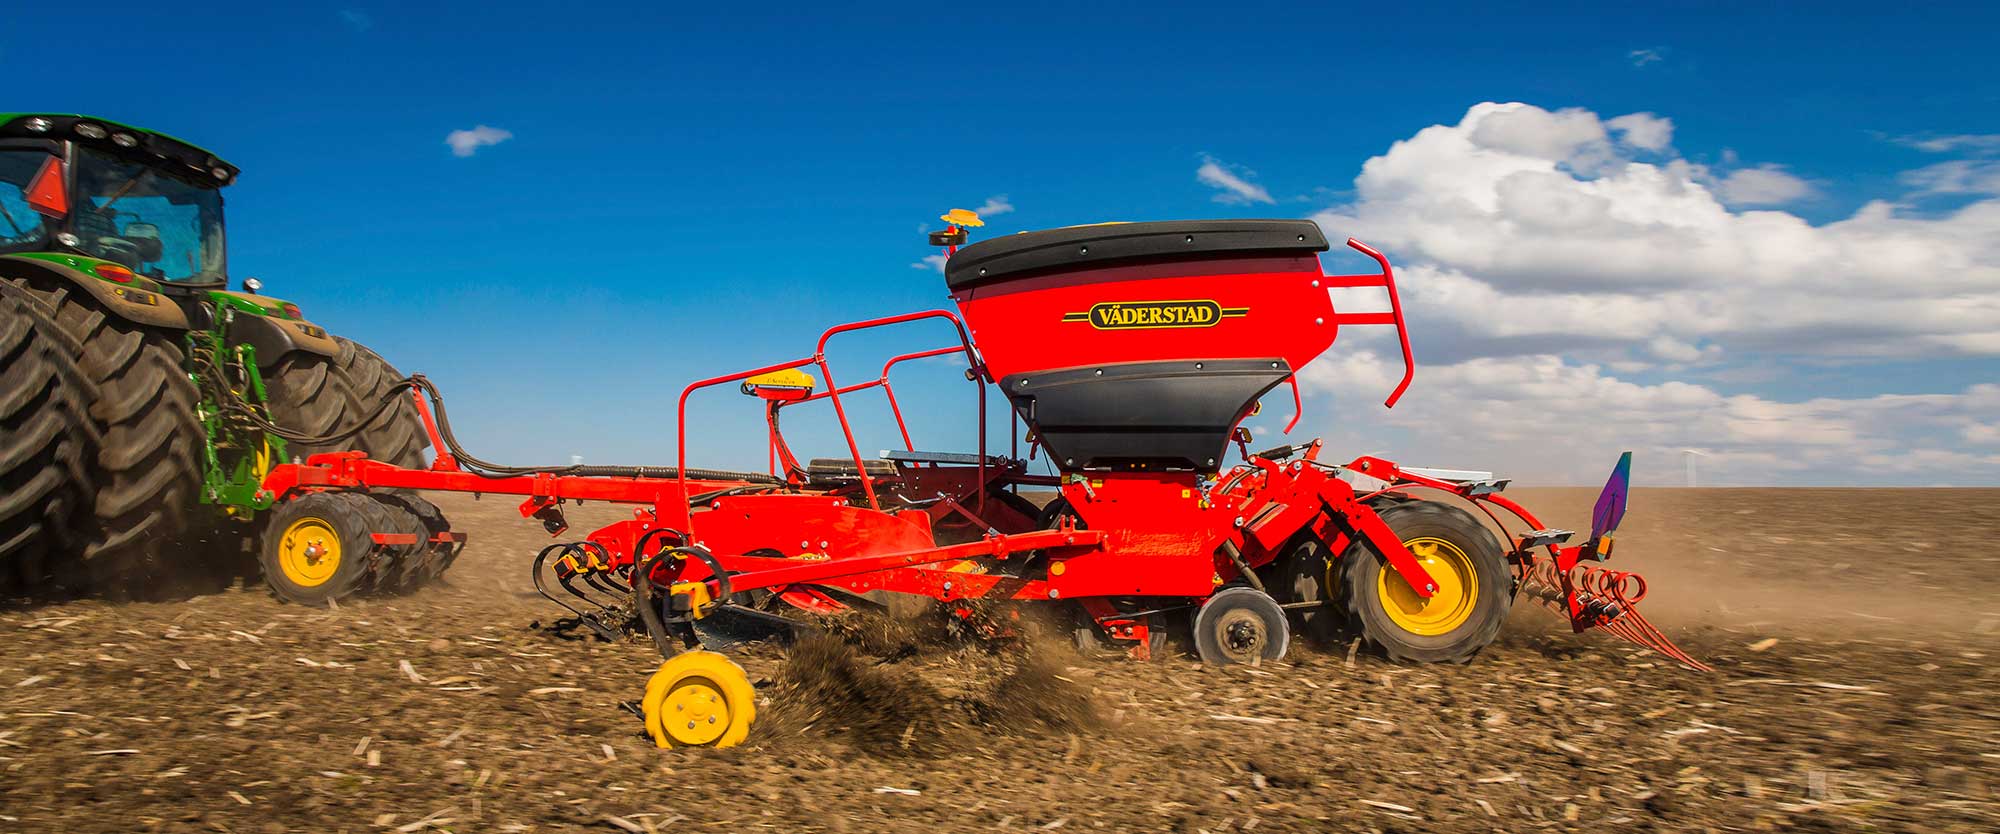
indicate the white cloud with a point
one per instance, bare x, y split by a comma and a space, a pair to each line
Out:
1644, 131
1959, 176
468, 142
1568, 135
933, 262
1504, 414
994, 206
357, 20
1555, 286
1970, 142
1510, 248
1764, 185
1642, 57
1235, 188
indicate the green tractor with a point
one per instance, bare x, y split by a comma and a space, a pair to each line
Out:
190, 391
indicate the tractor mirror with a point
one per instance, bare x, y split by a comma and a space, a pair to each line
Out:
46, 194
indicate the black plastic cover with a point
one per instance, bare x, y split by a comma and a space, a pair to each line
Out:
1078, 247
1154, 415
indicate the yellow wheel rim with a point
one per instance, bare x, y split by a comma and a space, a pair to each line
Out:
309, 552
1457, 589
699, 699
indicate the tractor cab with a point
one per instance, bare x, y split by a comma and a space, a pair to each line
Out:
87, 186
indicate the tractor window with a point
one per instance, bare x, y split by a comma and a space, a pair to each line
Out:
159, 226
21, 228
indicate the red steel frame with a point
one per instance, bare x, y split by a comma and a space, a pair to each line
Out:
1150, 533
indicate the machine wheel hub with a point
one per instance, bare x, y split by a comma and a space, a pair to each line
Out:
699, 699
309, 552
1449, 607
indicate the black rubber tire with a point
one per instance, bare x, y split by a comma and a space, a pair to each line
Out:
308, 396
1358, 570
1265, 632
402, 570
46, 443
1303, 570
423, 562
350, 516
148, 469
397, 436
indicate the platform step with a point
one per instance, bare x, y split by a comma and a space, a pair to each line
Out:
1544, 538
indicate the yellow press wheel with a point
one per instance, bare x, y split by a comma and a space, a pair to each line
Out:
1465, 561
699, 699
320, 547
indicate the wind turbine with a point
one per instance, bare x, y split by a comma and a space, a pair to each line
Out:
1689, 455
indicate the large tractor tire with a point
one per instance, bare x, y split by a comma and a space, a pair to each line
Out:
320, 396
306, 395
46, 444
148, 469
1469, 566
397, 436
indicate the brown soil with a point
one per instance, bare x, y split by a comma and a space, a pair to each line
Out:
1875, 708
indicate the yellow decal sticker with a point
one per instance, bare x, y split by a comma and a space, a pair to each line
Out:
1138, 315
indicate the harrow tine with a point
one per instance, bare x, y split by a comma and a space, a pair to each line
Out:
541, 587
1607, 600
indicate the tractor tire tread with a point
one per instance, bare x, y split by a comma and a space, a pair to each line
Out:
396, 437
147, 468
46, 441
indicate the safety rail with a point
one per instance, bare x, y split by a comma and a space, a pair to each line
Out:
1387, 281
833, 389
889, 391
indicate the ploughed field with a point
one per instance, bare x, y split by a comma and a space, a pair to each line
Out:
1853, 634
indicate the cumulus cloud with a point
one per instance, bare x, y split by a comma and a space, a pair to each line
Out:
1235, 188
468, 142
1555, 285
994, 206
933, 262
1644, 131
1546, 419
1764, 185
1513, 248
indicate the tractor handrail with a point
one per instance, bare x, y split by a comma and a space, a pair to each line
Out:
1387, 281
888, 391
853, 448
833, 391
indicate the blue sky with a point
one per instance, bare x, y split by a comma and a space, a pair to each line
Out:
684, 192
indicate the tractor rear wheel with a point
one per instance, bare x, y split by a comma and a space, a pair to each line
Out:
148, 470
1456, 621
396, 436
308, 397
321, 547
46, 443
